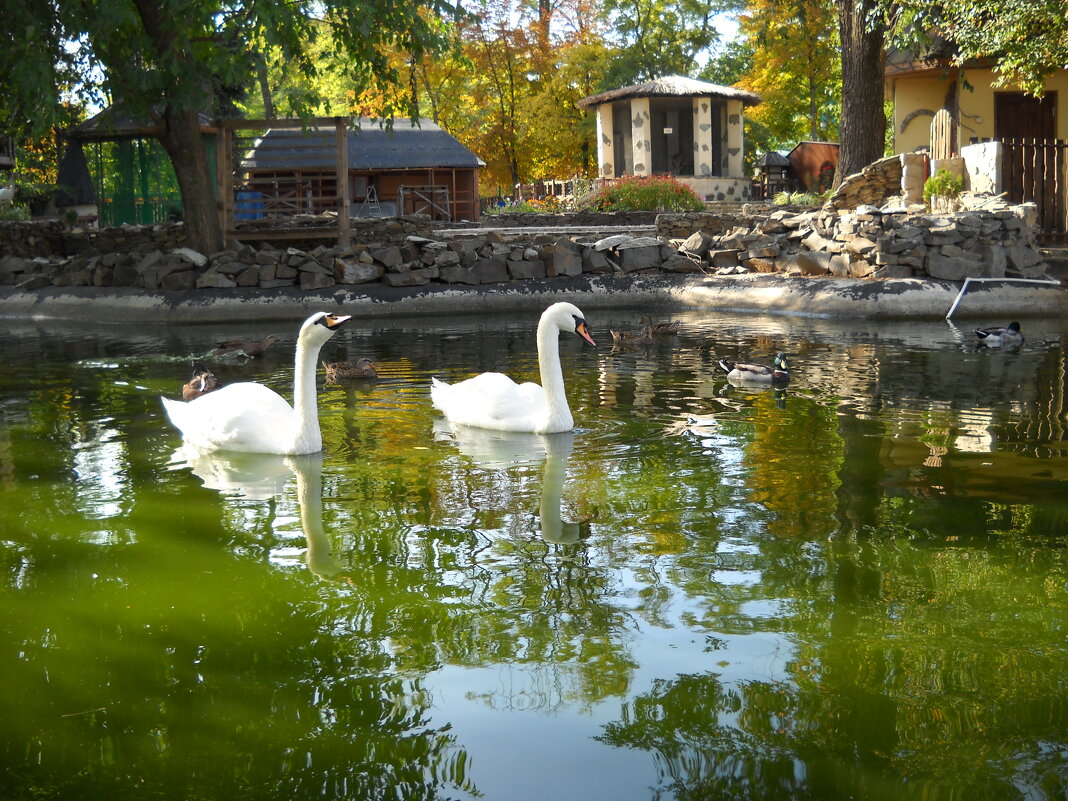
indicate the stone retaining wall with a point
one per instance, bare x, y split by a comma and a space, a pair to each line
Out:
570, 218
34, 239
988, 239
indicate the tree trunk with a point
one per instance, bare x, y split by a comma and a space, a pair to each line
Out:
813, 111
181, 139
863, 125
265, 88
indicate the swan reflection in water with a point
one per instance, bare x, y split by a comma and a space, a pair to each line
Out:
497, 450
261, 476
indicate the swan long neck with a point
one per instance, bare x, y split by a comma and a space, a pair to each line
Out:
552, 377
305, 407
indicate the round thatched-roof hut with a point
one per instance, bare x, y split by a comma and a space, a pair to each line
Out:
675, 126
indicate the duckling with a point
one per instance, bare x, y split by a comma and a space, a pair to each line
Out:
1009, 337
757, 373
362, 368
248, 348
202, 382
656, 329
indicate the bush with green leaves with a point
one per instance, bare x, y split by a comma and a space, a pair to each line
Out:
943, 184
638, 193
14, 212
798, 199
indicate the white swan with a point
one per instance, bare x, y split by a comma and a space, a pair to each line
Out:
493, 400
259, 476
251, 418
497, 450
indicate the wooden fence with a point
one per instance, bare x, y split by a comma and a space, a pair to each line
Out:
1036, 171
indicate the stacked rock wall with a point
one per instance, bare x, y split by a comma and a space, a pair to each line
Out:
988, 239
32, 239
570, 218
873, 186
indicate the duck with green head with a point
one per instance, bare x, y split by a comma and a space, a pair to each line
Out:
1008, 337
757, 373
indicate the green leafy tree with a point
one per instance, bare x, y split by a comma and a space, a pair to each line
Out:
1027, 38
795, 69
500, 54
171, 60
659, 37
561, 135
730, 61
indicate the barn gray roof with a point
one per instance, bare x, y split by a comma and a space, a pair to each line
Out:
671, 86
371, 147
114, 123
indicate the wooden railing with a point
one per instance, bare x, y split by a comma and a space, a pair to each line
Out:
1036, 171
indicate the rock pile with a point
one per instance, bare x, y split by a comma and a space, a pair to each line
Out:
874, 185
987, 238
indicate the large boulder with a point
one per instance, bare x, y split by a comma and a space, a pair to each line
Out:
566, 258
492, 270
354, 271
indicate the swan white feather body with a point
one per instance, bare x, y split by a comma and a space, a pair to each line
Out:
252, 418
493, 400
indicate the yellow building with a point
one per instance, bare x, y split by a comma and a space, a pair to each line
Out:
1012, 142
921, 85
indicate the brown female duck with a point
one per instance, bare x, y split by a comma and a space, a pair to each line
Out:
339, 371
248, 348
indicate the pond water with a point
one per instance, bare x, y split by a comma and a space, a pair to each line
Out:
856, 587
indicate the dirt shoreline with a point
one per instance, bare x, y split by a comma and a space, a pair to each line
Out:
754, 293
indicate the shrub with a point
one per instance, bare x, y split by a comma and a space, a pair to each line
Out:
943, 184
550, 204
637, 193
797, 199
14, 212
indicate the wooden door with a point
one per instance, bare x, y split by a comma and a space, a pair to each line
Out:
1020, 116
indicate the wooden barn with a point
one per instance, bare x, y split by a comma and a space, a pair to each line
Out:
813, 165
283, 169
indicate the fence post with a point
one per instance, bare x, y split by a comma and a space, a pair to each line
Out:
341, 144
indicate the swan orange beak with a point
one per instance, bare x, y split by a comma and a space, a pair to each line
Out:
584, 332
332, 321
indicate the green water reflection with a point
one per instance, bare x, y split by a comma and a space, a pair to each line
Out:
856, 587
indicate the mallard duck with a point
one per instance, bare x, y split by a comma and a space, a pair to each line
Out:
642, 337
757, 373
252, 418
493, 400
1009, 337
657, 329
248, 348
361, 368
203, 381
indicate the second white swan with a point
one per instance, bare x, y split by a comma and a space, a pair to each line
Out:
252, 418
493, 400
